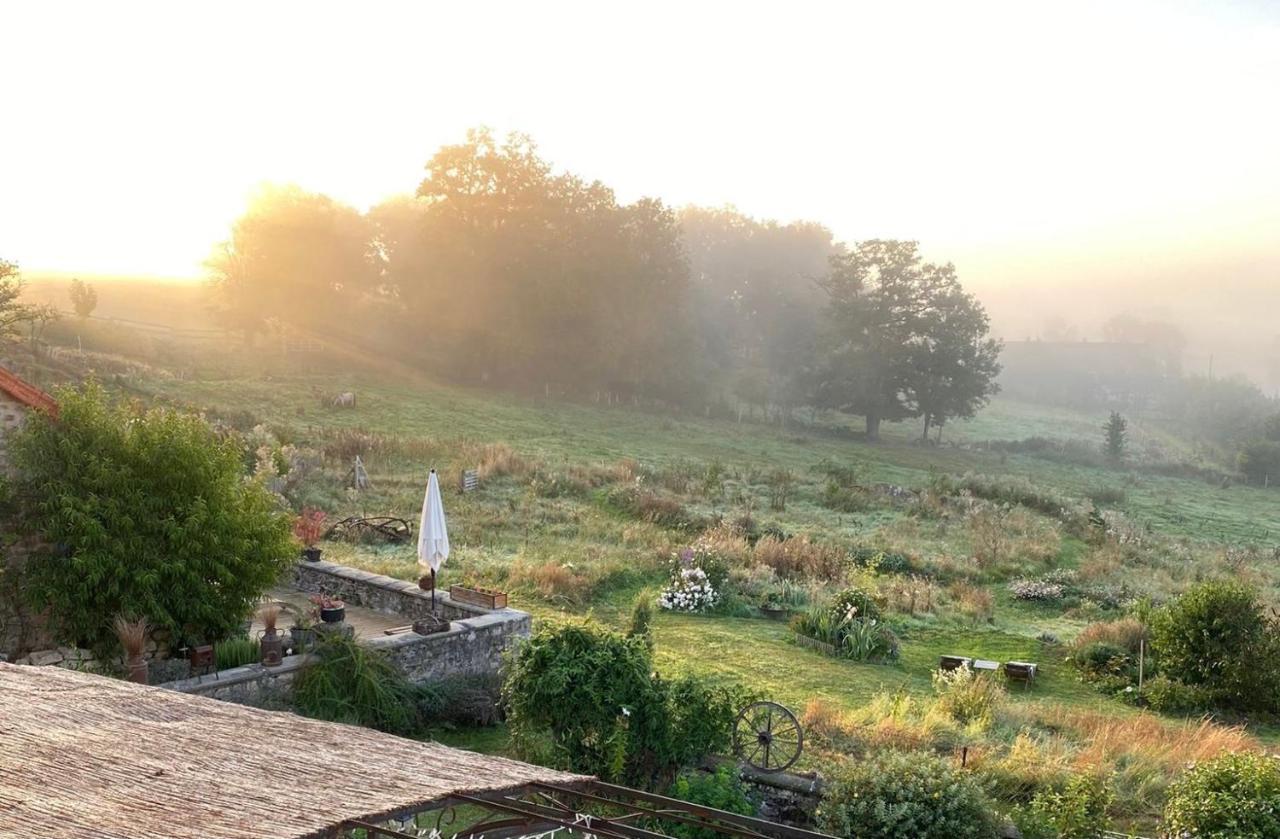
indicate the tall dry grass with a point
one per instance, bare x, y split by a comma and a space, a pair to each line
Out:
798, 558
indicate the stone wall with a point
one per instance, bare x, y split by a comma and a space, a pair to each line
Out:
12, 414
374, 591
474, 645
251, 684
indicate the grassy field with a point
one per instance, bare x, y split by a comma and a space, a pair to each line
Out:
545, 527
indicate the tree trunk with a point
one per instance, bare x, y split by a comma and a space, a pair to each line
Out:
924, 437
873, 426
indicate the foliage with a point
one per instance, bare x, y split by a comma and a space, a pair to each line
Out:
309, 526
850, 625
904, 339
1115, 437
153, 518
641, 623
880, 562
348, 682
1259, 462
236, 652
84, 298
595, 695
721, 789
966, 696
1076, 811
14, 314
689, 590
1217, 636
1231, 796
903, 795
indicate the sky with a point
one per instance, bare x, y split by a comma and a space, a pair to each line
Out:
1045, 148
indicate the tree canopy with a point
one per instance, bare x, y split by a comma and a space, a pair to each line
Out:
502, 270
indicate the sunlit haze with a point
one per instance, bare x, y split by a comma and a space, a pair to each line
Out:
1034, 145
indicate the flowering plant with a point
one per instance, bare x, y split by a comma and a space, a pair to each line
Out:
690, 590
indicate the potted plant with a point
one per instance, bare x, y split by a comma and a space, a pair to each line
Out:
271, 644
302, 634
773, 608
330, 609
133, 638
309, 528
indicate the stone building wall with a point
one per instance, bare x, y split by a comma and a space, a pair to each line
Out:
12, 414
377, 592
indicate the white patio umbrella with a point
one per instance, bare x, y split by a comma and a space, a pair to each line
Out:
433, 538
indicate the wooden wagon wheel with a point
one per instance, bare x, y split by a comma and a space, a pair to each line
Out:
767, 737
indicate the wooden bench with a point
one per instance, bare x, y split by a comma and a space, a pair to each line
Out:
1021, 671
948, 663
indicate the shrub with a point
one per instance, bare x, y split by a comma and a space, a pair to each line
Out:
641, 625
880, 562
853, 636
647, 506
798, 558
721, 789
1259, 461
1037, 591
594, 695
1077, 811
968, 697
846, 499
351, 683
855, 603
1217, 636
896, 795
1170, 697
1234, 795
153, 518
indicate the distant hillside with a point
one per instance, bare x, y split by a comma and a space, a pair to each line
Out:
178, 304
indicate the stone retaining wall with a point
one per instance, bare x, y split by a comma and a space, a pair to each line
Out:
474, 645
377, 592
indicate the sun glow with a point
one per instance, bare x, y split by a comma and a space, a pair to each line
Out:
1006, 138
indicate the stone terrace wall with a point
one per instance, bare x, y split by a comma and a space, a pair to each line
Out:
374, 591
474, 645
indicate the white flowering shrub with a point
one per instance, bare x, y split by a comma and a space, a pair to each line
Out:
690, 590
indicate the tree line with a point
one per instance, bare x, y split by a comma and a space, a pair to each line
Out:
500, 270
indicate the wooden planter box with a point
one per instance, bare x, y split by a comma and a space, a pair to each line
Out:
820, 646
486, 598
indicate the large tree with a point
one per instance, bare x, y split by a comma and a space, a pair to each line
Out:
903, 339
536, 276
756, 299
952, 363
297, 256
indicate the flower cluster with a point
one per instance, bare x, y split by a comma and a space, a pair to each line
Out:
689, 591
1043, 591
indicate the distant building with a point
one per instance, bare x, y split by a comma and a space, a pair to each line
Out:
18, 398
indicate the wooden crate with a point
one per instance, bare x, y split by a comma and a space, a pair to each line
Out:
468, 480
483, 597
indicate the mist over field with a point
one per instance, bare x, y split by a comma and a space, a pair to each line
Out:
906, 375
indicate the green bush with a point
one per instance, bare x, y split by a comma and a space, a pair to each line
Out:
904, 795
1259, 461
354, 684
880, 562
1231, 796
594, 695
1076, 811
1169, 697
722, 789
152, 517
856, 600
968, 697
1217, 636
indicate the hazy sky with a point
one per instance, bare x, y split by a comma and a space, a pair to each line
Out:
1034, 144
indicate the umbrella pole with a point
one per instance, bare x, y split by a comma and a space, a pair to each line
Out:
433, 591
